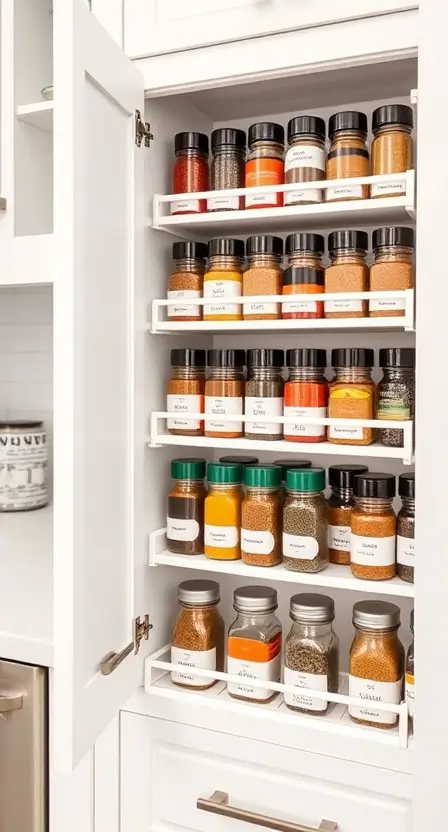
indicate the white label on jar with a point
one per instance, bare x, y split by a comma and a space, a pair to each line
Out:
386, 304
305, 681
222, 289
223, 406
339, 538
257, 543
203, 659
221, 537
410, 692
188, 311
345, 432
262, 199
256, 308
258, 406
303, 429
344, 192
343, 306
305, 156
388, 188
372, 551
223, 203
191, 206
299, 306
180, 405
302, 195
23, 470
370, 692
300, 547
247, 670
185, 530
405, 550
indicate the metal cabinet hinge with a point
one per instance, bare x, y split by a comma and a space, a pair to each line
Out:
142, 130
140, 631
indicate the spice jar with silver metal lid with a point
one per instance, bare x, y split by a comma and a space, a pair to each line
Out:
406, 528
198, 634
305, 158
396, 392
227, 168
305, 533
254, 644
311, 654
23, 465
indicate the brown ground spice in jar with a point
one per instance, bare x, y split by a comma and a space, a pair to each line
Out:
224, 390
393, 269
347, 272
198, 634
185, 392
348, 156
187, 281
264, 276
373, 527
261, 516
392, 146
340, 504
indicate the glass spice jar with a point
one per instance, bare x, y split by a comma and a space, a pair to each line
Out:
263, 393
392, 146
305, 275
290, 464
227, 169
406, 528
254, 644
376, 663
311, 654
224, 390
186, 282
198, 634
352, 395
305, 158
261, 516
265, 163
396, 392
239, 460
190, 171
340, 504
222, 512
348, 156
347, 272
393, 269
306, 394
185, 516
263, 276
305, 533
186, 392
373, 527
410, 676
224, 279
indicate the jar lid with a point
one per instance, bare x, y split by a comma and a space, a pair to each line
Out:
191, 141
393, 236
264, 244
392, 114
305, 479
310, 607
342, 476
262, 476
267, 131
303, 275
352, 357
303, 241
239, 460
378, 486
225, 247
224, 474
306, 357
406, 485
189, 250
28, 424
376, 615
226, 358
255, 599
306, 125
411, 621
198, 592
348, 239
397, 357
347, 120
188, 469
265, 358
188, 358
228, 136
291, 464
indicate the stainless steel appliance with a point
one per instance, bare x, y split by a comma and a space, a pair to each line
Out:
23, 748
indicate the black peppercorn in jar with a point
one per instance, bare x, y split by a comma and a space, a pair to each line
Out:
396, 392
185, 517
406, 528
264, 393
305, 158
348, 156
265, 164
305, 525
227, 169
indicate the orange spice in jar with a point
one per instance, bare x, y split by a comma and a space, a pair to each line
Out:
340, 504
224, 279
186, 282
392, 146
222, 512
393, 269
265, 163
305, 275
198, 634
352, 396
186, 392
224, 392
373, 527
348, 156
306, 394
264, 276
348, 272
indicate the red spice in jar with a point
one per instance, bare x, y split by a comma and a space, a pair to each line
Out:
306, 394
265, 163
190, 171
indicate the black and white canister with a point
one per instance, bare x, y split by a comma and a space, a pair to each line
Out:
23, 465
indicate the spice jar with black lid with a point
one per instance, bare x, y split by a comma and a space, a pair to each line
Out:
186, 392
347, 272
190, 171
348, 156
393, 269
305, 533
305, 275
263, 276
290, 464
263, 395
223, 279
392, 146
406, 528
340, 504
224, 391
185, 517
198, 634
306, 394
373, 527
396, 391
261, 516
187, 280
265, 163
239, 460
352, 395
305, 158
227, 168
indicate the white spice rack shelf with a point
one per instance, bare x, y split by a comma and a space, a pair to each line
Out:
38, 115
333, 577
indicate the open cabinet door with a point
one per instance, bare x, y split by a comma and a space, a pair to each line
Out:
99, 428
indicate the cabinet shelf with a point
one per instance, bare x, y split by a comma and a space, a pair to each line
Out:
38, 115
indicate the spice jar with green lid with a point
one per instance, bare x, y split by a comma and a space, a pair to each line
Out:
406, 528
198, 634
305, 526
261, 516
285, 465
311, 653
222, 512
185, 519
373, 527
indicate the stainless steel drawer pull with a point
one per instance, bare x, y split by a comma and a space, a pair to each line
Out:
218, 804
10, 703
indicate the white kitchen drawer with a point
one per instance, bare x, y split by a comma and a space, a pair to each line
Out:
166, 767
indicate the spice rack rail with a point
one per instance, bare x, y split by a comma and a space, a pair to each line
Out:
158, 682
395, 210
